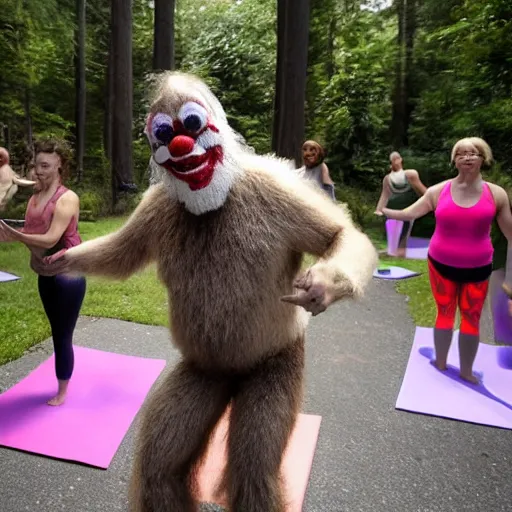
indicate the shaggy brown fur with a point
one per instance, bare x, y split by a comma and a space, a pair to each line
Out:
227, 271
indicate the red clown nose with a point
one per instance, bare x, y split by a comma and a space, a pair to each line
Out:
181, 145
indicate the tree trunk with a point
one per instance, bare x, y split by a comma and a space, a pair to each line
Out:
28, 118
122, 90
291, 73
163, 35
80, 88
403, 93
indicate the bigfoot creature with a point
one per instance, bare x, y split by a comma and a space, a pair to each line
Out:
227, 229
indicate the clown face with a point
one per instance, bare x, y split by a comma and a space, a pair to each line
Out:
187, 146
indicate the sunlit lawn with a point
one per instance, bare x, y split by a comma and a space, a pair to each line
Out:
141, 298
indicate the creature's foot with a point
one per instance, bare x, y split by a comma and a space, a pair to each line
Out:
57, 400
470, 378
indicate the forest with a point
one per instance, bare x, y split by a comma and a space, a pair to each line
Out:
371, 76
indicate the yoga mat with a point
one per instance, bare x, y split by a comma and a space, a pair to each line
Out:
417, 248
427, 390
105, 393
393, 231
502, 321
5, 277
296, 465
394, 273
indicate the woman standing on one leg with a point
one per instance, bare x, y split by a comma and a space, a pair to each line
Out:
51, 224
461, 252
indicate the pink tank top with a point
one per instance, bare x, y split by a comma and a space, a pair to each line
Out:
462, 237
39, 223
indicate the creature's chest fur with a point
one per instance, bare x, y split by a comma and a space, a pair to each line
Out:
221, 258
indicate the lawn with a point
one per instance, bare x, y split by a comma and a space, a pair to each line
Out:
140, 299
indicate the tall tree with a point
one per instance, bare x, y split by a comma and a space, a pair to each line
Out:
122, 101
403, 93
163, 38
80, 88
291, 72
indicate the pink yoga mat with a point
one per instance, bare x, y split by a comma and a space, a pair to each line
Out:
105, 394
296, 466
427, 390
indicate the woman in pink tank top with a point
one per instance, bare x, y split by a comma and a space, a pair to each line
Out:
460, 252
51, 225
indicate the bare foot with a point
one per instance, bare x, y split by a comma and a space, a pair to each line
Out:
470, 378
57, 400
441, 366
400, 252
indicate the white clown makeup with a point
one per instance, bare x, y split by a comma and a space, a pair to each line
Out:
191, 151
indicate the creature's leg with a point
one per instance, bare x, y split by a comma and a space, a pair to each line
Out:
445, 294
177, 422
471, 303
265, 408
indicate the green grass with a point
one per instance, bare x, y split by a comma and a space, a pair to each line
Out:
23, 322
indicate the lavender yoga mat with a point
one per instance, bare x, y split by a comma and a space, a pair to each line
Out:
394, 273
417, 248
5, 277
501, 318
427, 390
105, 394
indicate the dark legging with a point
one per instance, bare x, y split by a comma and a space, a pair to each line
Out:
62, 299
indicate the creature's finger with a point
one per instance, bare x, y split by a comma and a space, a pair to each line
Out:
298, 299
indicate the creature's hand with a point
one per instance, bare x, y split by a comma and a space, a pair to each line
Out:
57, 263
8, 234
315, 291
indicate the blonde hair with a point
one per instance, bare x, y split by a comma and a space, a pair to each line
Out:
394, 155
481, 146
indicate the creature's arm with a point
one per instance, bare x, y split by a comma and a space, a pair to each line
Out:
119, 254
384, 195
347, 258
414, 179
422, 206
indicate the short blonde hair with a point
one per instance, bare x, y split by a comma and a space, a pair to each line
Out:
481, 146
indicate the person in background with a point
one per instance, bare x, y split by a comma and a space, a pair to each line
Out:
314, 168
400, 189
9, 180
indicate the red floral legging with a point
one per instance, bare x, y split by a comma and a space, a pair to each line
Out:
470, 297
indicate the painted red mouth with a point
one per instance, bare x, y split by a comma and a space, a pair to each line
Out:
196, 171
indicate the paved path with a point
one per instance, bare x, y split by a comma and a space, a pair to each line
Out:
370, 457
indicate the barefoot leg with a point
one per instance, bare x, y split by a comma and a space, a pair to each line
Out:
60, 397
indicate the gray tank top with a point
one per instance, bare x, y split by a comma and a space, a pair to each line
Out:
312, 174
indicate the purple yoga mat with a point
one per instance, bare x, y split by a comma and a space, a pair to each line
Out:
105, 394
417, 248
427, 390
501, 318
395, 273
5, 277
